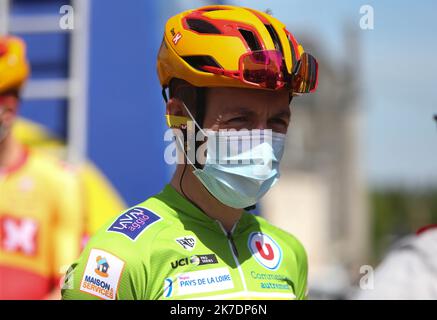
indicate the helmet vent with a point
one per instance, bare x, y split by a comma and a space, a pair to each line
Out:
275, 37
293, 52
202, 26
251, 40
197, 62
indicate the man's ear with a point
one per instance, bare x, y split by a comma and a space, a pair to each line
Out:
176, 114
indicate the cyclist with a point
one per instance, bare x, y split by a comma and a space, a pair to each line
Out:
231, 74
40, 206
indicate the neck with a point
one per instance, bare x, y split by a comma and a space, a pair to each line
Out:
195, 192
10, 152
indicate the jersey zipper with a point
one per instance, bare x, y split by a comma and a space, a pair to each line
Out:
232, 244
234, 252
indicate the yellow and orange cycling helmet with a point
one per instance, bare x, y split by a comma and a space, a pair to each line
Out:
230, 46
14, 68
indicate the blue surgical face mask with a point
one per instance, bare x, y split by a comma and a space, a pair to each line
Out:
241, 166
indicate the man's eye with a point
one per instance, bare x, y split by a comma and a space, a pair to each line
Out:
238, 119
279, 121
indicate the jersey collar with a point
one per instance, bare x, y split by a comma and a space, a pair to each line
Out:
185, 209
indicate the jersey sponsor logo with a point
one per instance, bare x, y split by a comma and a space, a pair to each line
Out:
196, 282
18, 235
168, 288
102, 274
102, 267
265, 250
176, 38
203, 259
179, 263
197, 260
273, 281
187, 242
133, 222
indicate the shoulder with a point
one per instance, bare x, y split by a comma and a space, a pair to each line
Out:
50, 166
135, 227
290, 241
425, 238
427, 229
413, 253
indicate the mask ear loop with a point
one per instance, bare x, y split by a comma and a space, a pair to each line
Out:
196, 164
182, 148
180, 144
194, 120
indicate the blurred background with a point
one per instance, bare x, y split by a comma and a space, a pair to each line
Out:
360, 171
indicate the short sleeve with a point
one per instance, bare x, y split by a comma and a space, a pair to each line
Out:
108, 269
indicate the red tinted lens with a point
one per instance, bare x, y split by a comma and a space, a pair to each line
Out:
264, 68
305, 78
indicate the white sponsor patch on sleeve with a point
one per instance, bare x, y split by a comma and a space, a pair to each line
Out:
102, 274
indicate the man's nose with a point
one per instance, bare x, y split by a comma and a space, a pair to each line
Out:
261, 124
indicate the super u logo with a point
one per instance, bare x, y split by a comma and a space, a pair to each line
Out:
265, 250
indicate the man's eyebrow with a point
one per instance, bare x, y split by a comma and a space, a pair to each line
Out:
241, 109
249, 111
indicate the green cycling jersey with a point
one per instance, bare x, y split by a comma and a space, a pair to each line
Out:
167, 248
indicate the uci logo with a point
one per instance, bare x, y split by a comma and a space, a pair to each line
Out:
180, 263
265, 250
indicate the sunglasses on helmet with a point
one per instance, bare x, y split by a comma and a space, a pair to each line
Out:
266, 69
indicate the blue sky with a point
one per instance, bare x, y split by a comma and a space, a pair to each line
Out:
399, 78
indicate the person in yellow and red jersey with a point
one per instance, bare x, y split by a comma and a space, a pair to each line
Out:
101, 200
40, 200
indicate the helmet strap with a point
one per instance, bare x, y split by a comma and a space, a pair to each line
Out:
164, 94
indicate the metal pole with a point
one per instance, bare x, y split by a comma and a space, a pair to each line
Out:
4, 16
78, 106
